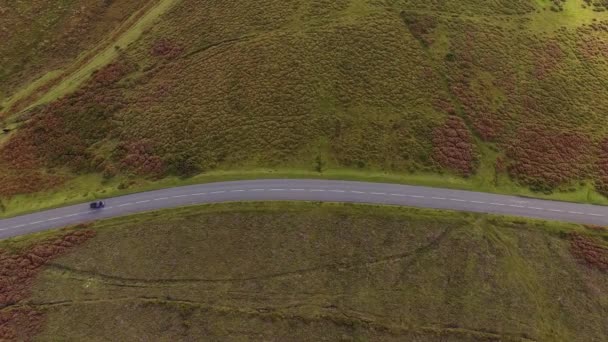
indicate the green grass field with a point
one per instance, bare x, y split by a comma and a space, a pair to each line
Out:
311, 271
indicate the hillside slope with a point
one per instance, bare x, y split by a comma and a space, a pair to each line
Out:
502, 92
310, 272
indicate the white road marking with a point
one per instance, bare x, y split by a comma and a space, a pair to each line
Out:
338, 189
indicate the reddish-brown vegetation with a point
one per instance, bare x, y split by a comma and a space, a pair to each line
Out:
602, 166
592, 252
17, 274
17, 271
549, 60
454, 147
19, 324
27, 182
166, 48
545, 159
60, 134
139, 157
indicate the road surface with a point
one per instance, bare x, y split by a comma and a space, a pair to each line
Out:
307, 190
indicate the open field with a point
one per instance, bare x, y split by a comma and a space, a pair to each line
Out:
507, 96
308, 271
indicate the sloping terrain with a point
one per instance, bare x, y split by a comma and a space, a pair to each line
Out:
506, 93
41, 38
310, 272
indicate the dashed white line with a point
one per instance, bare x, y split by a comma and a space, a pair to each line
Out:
54, 219
71, 215
125, 205
357, 192
576, 213
478, 202
201, 194
277, 190
378, 193
141, 202
556, 210
439, 198
161, 199
234, 191
596, 215
415, 196
535, 208
337, 191
317, 190
297, 189
516, 206
181, 196
498, 204
257, 190
399, 195
457, 200
217, 192
36, 222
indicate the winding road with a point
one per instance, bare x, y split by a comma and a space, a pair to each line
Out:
307, 190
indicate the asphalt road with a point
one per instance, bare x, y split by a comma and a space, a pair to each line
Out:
307, 190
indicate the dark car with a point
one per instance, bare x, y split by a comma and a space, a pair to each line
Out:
97, 205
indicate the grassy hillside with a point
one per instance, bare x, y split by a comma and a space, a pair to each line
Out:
41, 38
310, 272
509, 94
